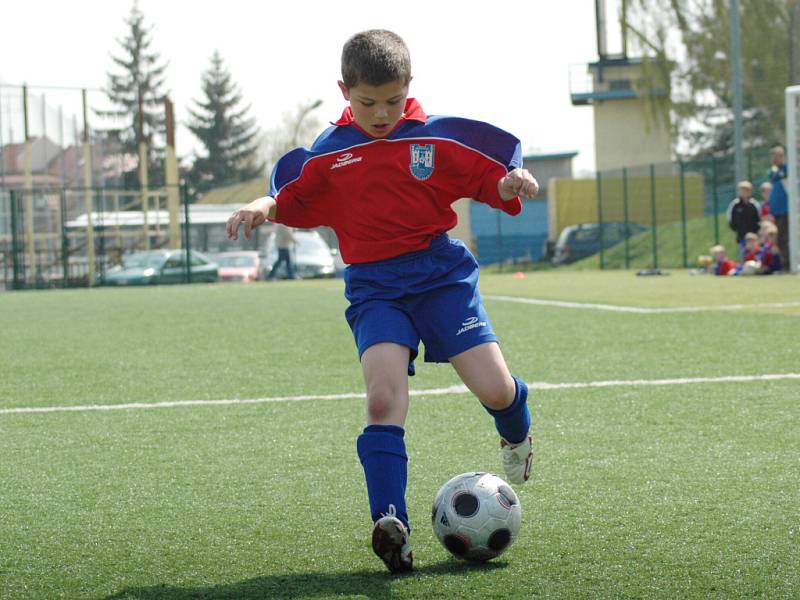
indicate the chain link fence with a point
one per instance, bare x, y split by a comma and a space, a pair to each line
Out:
651, 216
69, 214
70, 237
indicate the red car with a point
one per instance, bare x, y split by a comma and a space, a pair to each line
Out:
241, 267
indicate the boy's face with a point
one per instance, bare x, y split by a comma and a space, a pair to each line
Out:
376, 109
745, 193
765, 189
777, 156
751, 244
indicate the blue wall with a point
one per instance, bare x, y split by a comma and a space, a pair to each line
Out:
521, 237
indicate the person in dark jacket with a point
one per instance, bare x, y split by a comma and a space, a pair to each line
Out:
744, 212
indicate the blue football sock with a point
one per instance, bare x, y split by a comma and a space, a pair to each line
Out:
383, 455
513, 422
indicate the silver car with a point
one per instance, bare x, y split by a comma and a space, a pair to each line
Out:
311, 256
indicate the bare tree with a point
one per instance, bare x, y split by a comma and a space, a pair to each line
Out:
688, 45
298, 127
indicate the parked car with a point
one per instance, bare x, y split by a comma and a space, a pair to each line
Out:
311, 255
579, 241
161, 266
243, 267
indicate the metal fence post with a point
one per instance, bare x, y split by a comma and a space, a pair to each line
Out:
749, 165
716, 199
683, 216
16, 267
653, 210
186, 231
600, 218
102, 234
499, 241
625, 215
64, 240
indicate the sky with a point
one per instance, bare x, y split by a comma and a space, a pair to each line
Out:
507, 63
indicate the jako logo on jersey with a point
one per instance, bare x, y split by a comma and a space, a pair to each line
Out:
422, 160
471, 323
345, 159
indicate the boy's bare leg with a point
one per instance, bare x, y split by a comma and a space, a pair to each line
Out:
382, 452
484, 371
385, 368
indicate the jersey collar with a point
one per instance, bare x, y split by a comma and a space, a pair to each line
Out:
412, 112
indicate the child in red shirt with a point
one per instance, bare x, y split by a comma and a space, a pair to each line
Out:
722, 264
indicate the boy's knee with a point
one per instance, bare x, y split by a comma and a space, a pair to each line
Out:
499, 395
382, 403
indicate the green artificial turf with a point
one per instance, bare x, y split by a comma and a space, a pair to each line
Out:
638, 491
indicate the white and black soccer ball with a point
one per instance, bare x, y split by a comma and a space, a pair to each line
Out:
751, 267
476, 516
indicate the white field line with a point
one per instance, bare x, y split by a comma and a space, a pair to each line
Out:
455, 389
639, 309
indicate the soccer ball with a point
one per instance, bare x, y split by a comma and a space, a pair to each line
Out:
476, 516
750, 267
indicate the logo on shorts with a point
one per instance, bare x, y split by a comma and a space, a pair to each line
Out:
471, 323
422, 164
345, 159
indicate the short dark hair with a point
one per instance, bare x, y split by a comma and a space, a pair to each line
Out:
375, 57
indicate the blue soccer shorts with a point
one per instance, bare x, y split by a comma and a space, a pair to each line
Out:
430, 296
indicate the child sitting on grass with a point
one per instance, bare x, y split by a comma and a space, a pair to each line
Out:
769, 255
751, 264
721, 264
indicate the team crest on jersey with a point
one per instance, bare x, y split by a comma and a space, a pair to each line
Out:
422, 156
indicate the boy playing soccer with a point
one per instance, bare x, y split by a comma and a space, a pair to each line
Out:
384, 178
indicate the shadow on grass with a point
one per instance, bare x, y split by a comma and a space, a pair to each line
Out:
375, 585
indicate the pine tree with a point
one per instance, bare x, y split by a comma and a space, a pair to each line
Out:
142, 77
228, 135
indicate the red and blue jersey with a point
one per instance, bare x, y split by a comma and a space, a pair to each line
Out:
389, 196
725, 266
754, 255
770, 258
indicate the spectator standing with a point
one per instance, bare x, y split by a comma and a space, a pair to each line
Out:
765, 189
779, 200
743, 212
284, 239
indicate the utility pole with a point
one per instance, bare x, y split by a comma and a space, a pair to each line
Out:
88, 198
171, 176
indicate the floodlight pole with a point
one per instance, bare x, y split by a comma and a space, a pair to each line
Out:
736, 81
2, 150
794, 46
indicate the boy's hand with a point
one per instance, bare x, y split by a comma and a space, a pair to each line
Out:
252, 215
518, 182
